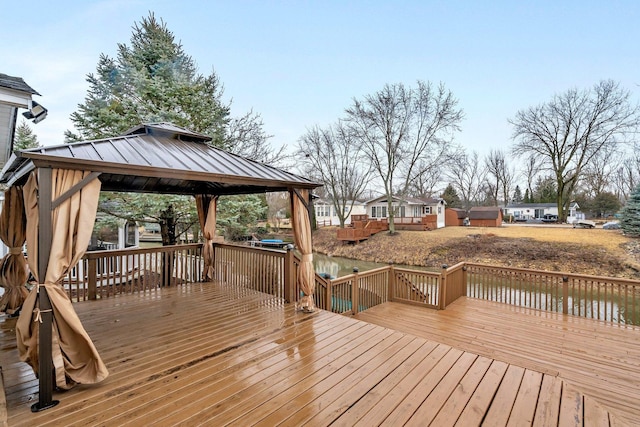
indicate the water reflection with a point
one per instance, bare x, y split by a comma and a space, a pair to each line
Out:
338, 266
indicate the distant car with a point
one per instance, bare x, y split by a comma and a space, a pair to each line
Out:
584, 223
550, 218
612, 225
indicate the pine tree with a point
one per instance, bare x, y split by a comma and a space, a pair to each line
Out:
527, 197
25, 138
630, 221
451, 197
153, 80
517, 195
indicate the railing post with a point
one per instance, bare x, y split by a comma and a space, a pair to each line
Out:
328, 301
289, 275
565, 295
464, 280
392, 283
443, 287
92, 272
355, 291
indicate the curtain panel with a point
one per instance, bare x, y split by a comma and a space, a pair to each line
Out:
75, 358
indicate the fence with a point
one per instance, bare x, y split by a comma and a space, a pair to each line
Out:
264, 270
102, 274
602, 298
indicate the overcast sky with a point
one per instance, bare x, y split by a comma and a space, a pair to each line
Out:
301, 63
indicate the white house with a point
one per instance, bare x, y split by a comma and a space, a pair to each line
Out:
14, 94
326, 213
407, 209
524, 211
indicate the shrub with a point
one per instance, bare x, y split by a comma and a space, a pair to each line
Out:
630, 218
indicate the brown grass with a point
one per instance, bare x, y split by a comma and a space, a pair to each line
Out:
556, 248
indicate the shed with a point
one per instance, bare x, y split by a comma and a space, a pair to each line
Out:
485, 216
454, 217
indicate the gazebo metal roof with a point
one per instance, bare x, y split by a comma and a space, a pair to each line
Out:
157, 158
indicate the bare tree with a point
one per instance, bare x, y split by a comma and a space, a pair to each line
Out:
277, 207
426, 179
531, 172
598, 174
402, 129
627, 175
339, 161
245, 137
467, 176
499, 174
565, 133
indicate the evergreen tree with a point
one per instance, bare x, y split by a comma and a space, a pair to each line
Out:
153, 80
517, 195
630, 221
527, 197
238, 213
25, 138
545, 190
451, 197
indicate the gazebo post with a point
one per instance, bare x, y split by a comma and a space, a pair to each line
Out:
45, 359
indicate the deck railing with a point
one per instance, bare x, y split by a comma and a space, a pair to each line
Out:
260, 269
602, 298
102, 274
416, 287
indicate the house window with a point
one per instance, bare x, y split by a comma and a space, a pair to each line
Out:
378, 212
427, 210
416, 211
399, 211
439, 210
323, 210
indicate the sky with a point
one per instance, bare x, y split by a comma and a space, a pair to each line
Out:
302, 63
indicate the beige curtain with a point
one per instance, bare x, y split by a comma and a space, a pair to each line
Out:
302, 236
75, 358
206, 206
13, 267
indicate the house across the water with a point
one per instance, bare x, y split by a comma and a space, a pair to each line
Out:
409, 210
326, 212
525, 211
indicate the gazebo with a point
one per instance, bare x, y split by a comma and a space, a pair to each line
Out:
52, 201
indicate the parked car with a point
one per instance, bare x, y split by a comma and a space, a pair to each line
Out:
612, 225
584, 223
550, 218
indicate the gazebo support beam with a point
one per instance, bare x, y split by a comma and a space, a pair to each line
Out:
45, 360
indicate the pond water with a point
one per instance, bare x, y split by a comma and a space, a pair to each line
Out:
338, 266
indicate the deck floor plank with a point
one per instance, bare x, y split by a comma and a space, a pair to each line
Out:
482, 397
547, 411
384, 388
600, 358
214, 354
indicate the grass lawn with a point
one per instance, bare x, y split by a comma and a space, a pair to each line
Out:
550, 247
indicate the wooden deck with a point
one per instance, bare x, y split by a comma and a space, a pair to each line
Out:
207, 354
600, 359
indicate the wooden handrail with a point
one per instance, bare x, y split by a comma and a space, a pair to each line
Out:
103, 273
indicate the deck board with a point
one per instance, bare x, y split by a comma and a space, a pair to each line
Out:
209, 354
601, 359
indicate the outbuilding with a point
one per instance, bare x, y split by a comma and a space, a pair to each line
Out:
485, 216
454, 217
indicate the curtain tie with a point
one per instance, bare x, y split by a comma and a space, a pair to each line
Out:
39, 312
15, 251
306, 258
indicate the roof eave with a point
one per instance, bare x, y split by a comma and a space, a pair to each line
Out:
41, 160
